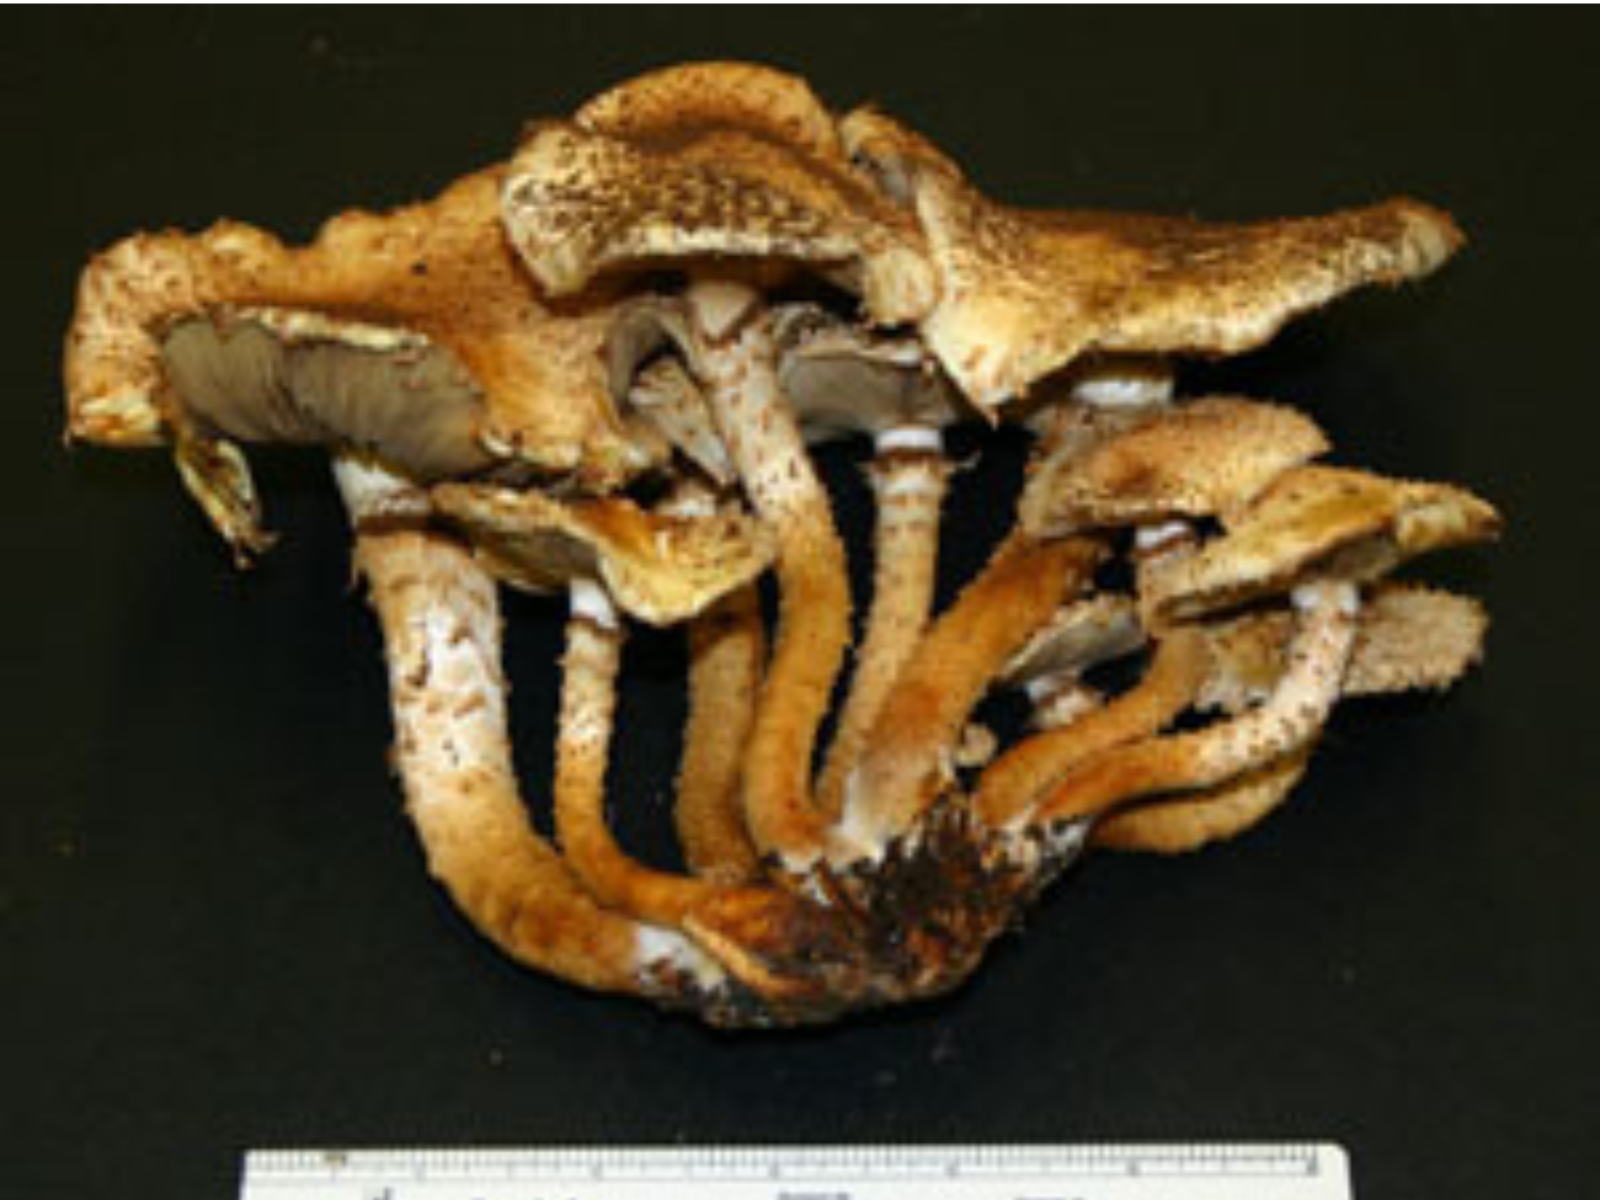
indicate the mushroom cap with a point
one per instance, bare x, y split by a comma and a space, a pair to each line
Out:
708, 161
1199, 459
1023, 293
655, 106
1314, 520
433, 289
1079, 636
273, 375
1411, 638
843, 379
661, 569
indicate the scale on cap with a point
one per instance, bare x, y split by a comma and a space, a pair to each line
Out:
1250, 1171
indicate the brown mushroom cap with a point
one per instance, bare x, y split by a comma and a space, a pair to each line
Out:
719, 160
1411, 638
1315, 521
1024, 293
661, 569
1198, 459
232, 334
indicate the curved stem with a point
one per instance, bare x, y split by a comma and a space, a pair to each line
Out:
1289, 719
583, 743
1212, 815
736, 359
903, 769
910, 486
764, 936
1016, 780
441, 627
726, 648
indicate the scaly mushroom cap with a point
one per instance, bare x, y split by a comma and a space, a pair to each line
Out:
1023, 293
661, 569
1196, 460
413, 335
716, 160
1315, 521
1411, 638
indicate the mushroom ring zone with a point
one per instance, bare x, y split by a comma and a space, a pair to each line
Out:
601, 368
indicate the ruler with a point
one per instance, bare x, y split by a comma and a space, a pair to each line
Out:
1206, 1171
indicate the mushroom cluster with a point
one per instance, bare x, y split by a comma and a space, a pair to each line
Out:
600, 368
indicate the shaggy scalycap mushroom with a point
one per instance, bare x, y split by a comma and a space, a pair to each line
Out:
599, 368
1315, 534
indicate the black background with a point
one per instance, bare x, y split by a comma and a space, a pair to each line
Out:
215, 929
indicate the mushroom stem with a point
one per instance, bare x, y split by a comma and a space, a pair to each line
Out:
1016, 780
909, 477
1289, 719
903, 770
583, 743
441, 626
726, 648
1212, 815
775, 945
737, 359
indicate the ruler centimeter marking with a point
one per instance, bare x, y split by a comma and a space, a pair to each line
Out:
1200, 1171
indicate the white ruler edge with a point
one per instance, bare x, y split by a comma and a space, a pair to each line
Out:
1129, 1171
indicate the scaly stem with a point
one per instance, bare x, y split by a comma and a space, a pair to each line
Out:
726, 647
1016, 780
909, 478
766, 937
904, 767
1210, 815
441, 626
583, 743
736, 358
1288, 720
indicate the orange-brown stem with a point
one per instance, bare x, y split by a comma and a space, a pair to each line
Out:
583, 743
1015, 781
903, 768
726, 648
910, 490
1289, 720
441, 628
736, 360
1211, 815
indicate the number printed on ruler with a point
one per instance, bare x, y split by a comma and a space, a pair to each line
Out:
1201, 1171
